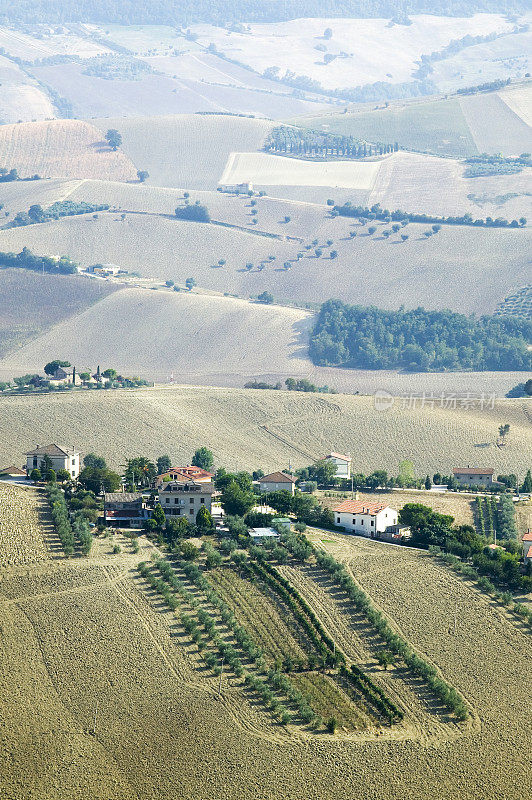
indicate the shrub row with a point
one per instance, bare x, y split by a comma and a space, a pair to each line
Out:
445, 693
373, 693
226, 651
62, 525
304, 614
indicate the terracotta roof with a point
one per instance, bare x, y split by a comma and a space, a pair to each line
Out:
50, 450
277, 477
358, 507
529, 554
186, 473
527, 537
472, 471
12, 471
339, 455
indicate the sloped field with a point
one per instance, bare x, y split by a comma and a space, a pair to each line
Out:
22, 536
157, 334
249, 428
61, 148
30, 303
464, 269
186, 150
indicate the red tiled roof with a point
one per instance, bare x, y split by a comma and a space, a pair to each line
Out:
529, 554
339, 455
277, 477
472, 471
358, 507
527, 537
50, 450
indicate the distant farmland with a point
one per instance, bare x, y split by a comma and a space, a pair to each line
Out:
186, 150
61, 148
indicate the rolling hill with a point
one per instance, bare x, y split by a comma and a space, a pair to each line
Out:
186, 150
462, 268
62, 148
247, 428
31, 303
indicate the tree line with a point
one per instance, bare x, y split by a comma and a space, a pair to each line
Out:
64, 208
362, 337
376, 212
219, 12
27, 260
302, 141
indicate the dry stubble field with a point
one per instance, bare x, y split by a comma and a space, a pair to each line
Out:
79, 633
248, 429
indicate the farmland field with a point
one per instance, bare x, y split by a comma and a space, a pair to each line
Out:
22, 533
270, 170
520, 101
198, 337
31, 303
24, 46
465, 269
61, 148
494, 126
249, 428
186, 150
459, 506
20, 99
374, 50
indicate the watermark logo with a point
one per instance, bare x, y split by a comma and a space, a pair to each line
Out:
383, 400
465, 401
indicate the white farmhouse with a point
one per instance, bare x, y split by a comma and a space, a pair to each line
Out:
60, 457
342, 463
185, 498
366, 519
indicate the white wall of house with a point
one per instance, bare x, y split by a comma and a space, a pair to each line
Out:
343, 467
366, 524
69, 462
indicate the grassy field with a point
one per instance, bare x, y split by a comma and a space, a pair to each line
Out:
374, 49
61, 148
31, 303
494, 126
27, 47
186, 150
249, 428
433, 126
520, 101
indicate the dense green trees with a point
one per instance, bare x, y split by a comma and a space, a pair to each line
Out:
27, 260
194, 213
203, 458
419, 340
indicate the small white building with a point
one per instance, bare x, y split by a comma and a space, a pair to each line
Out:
342, 462
277, 482
65, 376
366, 519
473, 476
262, 535
60, 457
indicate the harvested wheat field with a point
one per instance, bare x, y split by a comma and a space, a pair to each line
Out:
188, 149
196, 335
84, 636
265, 169
22, 533
62, 148
31, 303
250, 428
